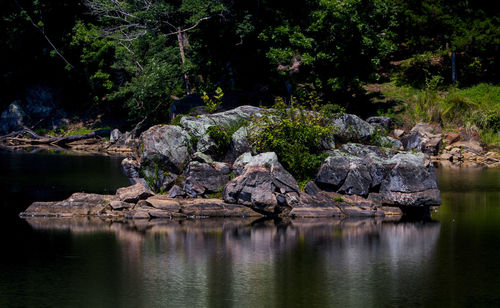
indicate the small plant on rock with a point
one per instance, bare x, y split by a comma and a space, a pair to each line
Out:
213, 103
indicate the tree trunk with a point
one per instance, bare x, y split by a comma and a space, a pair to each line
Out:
182, 39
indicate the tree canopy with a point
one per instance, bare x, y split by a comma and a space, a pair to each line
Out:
135, 57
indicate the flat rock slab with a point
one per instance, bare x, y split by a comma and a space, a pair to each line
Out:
78, 204
133, 193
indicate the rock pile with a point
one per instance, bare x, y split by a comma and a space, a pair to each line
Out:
177, 161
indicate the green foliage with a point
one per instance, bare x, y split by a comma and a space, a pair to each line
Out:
216, 195
295, 135
422, 69
476, 107
377, 139
221, 135
338, 199
192, 143
213, 103
333, 45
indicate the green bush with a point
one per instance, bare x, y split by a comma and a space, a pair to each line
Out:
419, 69
221, 135
295, 135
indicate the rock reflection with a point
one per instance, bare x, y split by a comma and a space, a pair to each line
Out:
234, 262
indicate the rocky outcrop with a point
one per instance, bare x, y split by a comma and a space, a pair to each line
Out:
264, 185
198, 126
388, 177
165, 146
350, 128
110, 207
78, 204
422, 139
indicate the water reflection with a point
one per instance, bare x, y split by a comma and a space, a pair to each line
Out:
225, 262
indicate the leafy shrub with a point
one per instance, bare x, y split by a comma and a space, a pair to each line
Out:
417, 70
221, 135
295, 135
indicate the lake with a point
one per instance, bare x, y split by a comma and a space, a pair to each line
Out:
449, 261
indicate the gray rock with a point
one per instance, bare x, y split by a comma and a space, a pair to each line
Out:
131, 168
165, 147
115, 135
78, 204
193, 189
392, 142
198, 126
12, 118
311, 188
384, 123
261, 181
335, 168
133, 193
240, 163
409, 174
239, 143
360, 170
398, 133
212, 177
349, 127
175, 192
423, 142
358, 180
202, 158
119, 205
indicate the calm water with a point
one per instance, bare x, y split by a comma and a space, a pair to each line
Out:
451, 261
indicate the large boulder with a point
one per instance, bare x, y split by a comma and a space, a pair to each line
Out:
211, 176
351, 128
12, 118
198, 126
393, 177
264, 185
422, 139
164, 147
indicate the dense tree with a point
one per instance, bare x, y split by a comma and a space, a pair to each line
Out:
137, 56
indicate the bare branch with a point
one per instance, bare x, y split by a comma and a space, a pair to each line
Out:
42, 31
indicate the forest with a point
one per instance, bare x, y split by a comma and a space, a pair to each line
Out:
135, 59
